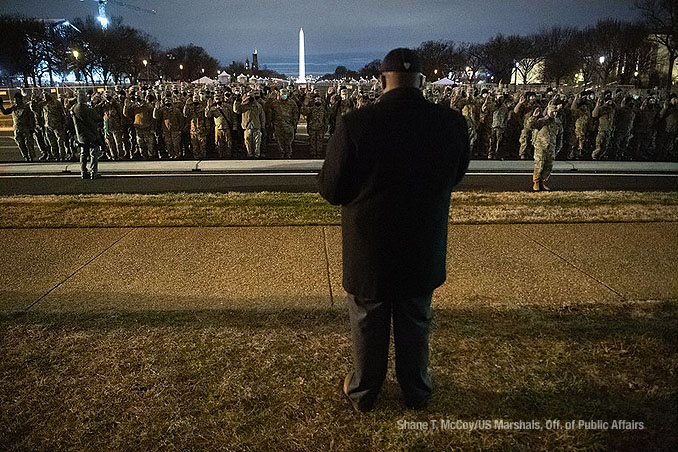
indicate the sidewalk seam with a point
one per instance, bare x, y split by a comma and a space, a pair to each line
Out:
327, 266
623, 298
78, 269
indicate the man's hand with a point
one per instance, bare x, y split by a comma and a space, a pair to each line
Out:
537, 112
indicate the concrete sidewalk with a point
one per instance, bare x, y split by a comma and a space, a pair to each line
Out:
141, 269
311, 166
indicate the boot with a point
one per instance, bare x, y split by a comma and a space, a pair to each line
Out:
544, 187
536, 186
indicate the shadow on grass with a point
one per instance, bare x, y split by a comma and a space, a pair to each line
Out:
268, 379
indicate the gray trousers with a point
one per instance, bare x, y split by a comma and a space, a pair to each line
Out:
370, 333
91, 150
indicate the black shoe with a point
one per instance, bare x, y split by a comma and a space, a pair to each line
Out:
417, 404
361, 408
94, 176
84, 175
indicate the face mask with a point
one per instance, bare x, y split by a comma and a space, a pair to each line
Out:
284, 96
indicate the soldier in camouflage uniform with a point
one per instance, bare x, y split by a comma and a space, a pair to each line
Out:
524, 109
604, 112
223, 120
55, 125
113, 127
195, 116
644, 130
667, 134
142, 112
581, 112
316, 115
623, 128
36, 105
547, 142
253, 120
499, 121
24, 125
171, 120
285, 114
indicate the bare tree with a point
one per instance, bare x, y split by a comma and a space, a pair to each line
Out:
661, 17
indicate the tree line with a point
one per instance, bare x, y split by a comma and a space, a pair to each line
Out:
629, 51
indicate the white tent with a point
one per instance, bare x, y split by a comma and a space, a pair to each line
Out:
444, 81
224, 78
242, 79
205, 80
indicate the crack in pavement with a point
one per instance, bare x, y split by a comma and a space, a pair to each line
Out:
78, 269
602, 283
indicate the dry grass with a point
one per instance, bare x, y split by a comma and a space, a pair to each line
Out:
264, 381
258, 209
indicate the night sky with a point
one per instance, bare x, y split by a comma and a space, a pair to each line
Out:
230, 30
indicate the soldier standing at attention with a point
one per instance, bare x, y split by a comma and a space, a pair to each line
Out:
285, 114
24, 125
171, 121
316, 115
195, 116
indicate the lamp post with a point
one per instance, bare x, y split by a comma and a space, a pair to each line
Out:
76, 54
181, 68
147, 73
601, 60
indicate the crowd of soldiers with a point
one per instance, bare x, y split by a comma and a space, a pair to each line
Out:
175, 121
200, 121
596, 125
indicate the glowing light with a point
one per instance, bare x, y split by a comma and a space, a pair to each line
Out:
181, 66
601, 59
145, 62
76, 54
103, 21
635, 74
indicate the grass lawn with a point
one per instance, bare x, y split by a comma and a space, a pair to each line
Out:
270, 381
256, 209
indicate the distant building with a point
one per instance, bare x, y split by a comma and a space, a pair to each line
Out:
247, 64
533, 77
255, 61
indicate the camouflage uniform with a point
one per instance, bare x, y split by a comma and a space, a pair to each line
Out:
113, 128
24, 125
55, 126
223, 120
644, 132
547, 143
499, 120
171, 121
39, 131
524, 112
605, 114
581, 112
195, 116
623, 131
142, 112
667, 135
253, 119
316, 123
472, 115
285, 114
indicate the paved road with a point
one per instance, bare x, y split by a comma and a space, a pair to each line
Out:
305, 182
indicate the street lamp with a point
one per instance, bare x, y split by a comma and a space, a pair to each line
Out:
181, 68
76, 54
148, 77
203, 70
601, 60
